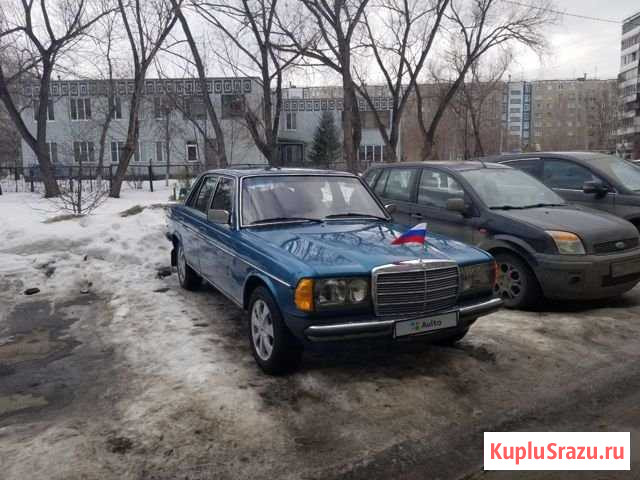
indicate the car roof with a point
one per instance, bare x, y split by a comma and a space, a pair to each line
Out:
580, 156
241, 170
457, 165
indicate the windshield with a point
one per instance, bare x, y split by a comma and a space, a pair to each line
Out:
626, 173
507, 188
305, 198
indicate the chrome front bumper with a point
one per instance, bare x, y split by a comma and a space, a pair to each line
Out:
381, 328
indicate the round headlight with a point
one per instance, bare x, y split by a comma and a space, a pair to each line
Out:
332, 292
358, 290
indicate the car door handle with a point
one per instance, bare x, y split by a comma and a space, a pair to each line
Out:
417, 215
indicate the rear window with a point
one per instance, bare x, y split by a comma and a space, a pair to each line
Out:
400, 183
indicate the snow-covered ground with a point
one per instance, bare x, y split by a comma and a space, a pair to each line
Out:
150, 381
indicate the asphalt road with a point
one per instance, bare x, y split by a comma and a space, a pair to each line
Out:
87, 391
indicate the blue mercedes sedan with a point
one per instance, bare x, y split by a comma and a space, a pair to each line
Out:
309, 255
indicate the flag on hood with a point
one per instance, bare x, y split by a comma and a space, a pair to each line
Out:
416, 234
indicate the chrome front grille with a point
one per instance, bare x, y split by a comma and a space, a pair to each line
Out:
413, 288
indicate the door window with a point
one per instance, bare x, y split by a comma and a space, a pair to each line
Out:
371, 176
532, 166
437, 187
223, 199
566, 174
400, 183
382, 182
204, 195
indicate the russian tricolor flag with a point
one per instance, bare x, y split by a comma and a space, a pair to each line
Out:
417, 234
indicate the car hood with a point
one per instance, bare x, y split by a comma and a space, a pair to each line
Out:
591, 226
346, 247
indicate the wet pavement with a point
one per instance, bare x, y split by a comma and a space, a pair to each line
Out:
141, 395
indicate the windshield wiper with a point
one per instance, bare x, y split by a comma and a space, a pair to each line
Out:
524, 207
353, 214
285, 220
505, 207
540, 205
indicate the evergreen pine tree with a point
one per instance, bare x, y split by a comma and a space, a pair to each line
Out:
326, 146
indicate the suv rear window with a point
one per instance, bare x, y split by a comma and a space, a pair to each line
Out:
400, 184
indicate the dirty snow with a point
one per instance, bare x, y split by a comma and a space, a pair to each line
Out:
178, 391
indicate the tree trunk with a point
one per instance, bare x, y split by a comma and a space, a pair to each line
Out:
349, 127
132, 135
51, 188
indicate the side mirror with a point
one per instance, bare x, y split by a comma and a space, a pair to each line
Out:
457, 205
222, 217
391, 208
595, 187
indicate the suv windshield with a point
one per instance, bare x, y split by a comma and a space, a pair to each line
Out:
626, 173
305, 198
507, 188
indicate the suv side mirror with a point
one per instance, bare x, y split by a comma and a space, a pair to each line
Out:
222, 217
595, 187
457, 205
391, 208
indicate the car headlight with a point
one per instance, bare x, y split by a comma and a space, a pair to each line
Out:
567, 243
327, 293
480, 277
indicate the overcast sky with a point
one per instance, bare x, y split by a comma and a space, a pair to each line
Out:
579, 46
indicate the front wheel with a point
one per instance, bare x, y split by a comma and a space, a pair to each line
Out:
275, 349
516, 283
188, 278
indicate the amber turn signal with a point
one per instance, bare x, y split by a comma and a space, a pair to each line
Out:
304, 295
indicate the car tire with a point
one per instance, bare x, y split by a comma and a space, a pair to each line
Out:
188, 278
516, 284
274, 347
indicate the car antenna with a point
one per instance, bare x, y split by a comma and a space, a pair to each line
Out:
482, 162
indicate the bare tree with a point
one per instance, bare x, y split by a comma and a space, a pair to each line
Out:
331, 43
220, 147
399, 33
42, 33
147, 25
250, 27
475, 28
483, 83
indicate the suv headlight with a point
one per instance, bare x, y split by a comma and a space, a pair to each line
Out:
567, 243
328, 293
479, 277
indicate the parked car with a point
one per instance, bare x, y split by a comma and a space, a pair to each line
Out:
604, 182
542, 245
308, 254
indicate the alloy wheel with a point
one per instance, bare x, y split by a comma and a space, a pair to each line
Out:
182, 265
510, 284
262, 329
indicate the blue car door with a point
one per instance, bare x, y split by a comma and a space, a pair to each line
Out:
219, 257
193, 218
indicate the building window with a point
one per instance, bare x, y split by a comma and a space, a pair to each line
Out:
192, 151
159, 151
50, 110
194, 109
52, 149
159, 109
368, 119
514, 110
80, 108
116, 107
232, 106
291, 121
117, 152
83, 152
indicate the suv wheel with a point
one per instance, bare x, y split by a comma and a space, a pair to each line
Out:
516, 284
275, 349
188, 278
